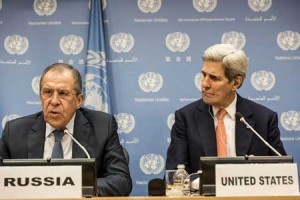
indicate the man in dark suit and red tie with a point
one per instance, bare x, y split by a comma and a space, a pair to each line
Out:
199, 130
61, 98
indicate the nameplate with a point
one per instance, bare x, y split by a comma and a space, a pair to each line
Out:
40, 182
257, 179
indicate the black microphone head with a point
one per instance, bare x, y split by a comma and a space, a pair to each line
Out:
64, 129
238, 115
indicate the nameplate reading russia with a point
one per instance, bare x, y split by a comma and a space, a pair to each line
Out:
276, 179
40, 182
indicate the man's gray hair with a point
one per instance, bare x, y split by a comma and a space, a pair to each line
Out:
234, 61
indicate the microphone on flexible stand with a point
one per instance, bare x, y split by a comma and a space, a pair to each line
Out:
242, 119
66, 131
195, 184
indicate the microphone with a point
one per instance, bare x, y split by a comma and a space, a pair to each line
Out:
66, 131
242, 119
195, 184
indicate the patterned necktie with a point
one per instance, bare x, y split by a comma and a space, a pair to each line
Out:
57, 151
221, 134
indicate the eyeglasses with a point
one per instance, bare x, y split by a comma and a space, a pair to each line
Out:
62, 94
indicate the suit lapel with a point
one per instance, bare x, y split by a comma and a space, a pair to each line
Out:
243, 135
81, 130
206, 129
36, 139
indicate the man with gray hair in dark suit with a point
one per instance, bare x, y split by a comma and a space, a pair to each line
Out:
61, 98
198, 132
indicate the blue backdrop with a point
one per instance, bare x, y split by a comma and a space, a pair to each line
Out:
153, 59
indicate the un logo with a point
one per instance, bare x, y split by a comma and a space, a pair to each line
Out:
177, 42
95, 59
152, 163
126, 122
35, 84
71, 44
150, 82
288, 40
94, 94
204, 5
197, 81
260, 5
16, 44
263, 80
121, 42
8, 118
44, 7
149, 6
290, 120
237, 39
171, 120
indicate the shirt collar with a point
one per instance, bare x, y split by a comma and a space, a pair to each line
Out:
69, 126
231, 109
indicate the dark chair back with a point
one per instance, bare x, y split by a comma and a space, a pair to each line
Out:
126, 154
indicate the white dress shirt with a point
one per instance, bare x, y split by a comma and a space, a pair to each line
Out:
66, 141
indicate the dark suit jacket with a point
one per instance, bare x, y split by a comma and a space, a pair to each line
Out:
193, 133
97, 131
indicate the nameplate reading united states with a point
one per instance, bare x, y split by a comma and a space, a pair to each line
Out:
40, 182
257, 179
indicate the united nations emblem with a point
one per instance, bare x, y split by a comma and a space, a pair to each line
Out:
260, 5
152, 163
149, 6
95, 96
8, 118
197, 81
121, 42
44, 7
71, 44
35, 84
16, 44
150, 82
171, 120
204, 5
95, 59
126, 122
290, 120
288, 40
237, 39
177, 42
263, 80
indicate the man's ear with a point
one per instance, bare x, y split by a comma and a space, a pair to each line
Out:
79, 100
237, 82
